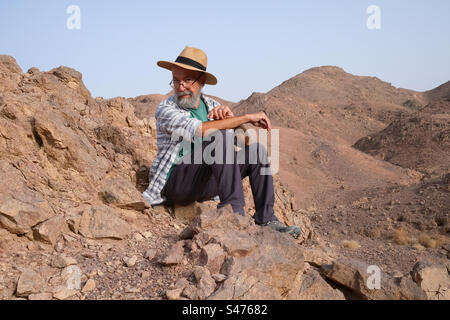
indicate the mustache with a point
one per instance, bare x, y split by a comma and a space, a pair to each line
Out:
185, 92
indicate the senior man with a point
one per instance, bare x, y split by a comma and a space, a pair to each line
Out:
177, 178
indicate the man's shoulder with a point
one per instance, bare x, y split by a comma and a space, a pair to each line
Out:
210, 102
169, 102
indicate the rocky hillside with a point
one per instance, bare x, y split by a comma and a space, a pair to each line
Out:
331, 85
440, 93
145, 105
73, 224
341, 106
419, 141
321, 113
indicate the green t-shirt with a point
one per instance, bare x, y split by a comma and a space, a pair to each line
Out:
201, 113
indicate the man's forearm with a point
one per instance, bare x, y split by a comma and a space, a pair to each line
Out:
230, 123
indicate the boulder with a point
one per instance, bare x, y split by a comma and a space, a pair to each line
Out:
150, 254
314, 287
236, 243
49, 231
88, 286
122, 193
187, 214
130, 261
212, 257
224, 217
174, 255
175, 291
100, 222
318, 256
205, 286
19, 217
61, 261
363, 280
21, 208
30, 282
62, 293
260, 262
199, 272
187, 233
174, 294
190, 292
433, 279
205, 283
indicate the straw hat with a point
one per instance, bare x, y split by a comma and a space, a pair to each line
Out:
191, 59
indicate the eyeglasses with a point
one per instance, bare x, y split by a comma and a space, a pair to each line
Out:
187, 83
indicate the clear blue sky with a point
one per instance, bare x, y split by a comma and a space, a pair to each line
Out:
251, 45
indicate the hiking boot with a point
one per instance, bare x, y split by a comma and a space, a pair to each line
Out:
276, 225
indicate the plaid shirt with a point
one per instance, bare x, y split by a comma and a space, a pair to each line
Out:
172, 123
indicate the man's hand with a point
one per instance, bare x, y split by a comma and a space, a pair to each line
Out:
220, 112
260, 119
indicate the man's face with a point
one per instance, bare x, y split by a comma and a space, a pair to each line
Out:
187, 95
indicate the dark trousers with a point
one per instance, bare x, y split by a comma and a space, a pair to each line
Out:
189, 182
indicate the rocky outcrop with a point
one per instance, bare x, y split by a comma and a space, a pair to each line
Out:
61, 149
433, 279
372, 283
240, 260
314, 287
20, 206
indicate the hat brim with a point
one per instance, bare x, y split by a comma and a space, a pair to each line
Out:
210, 78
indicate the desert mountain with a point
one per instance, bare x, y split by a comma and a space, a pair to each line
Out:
329, 102
321, 113
439, 93
418, 141
441, 106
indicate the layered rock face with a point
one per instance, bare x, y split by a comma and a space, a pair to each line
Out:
240, 260
63, 153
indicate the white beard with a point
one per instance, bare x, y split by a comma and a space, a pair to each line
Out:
188, 103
